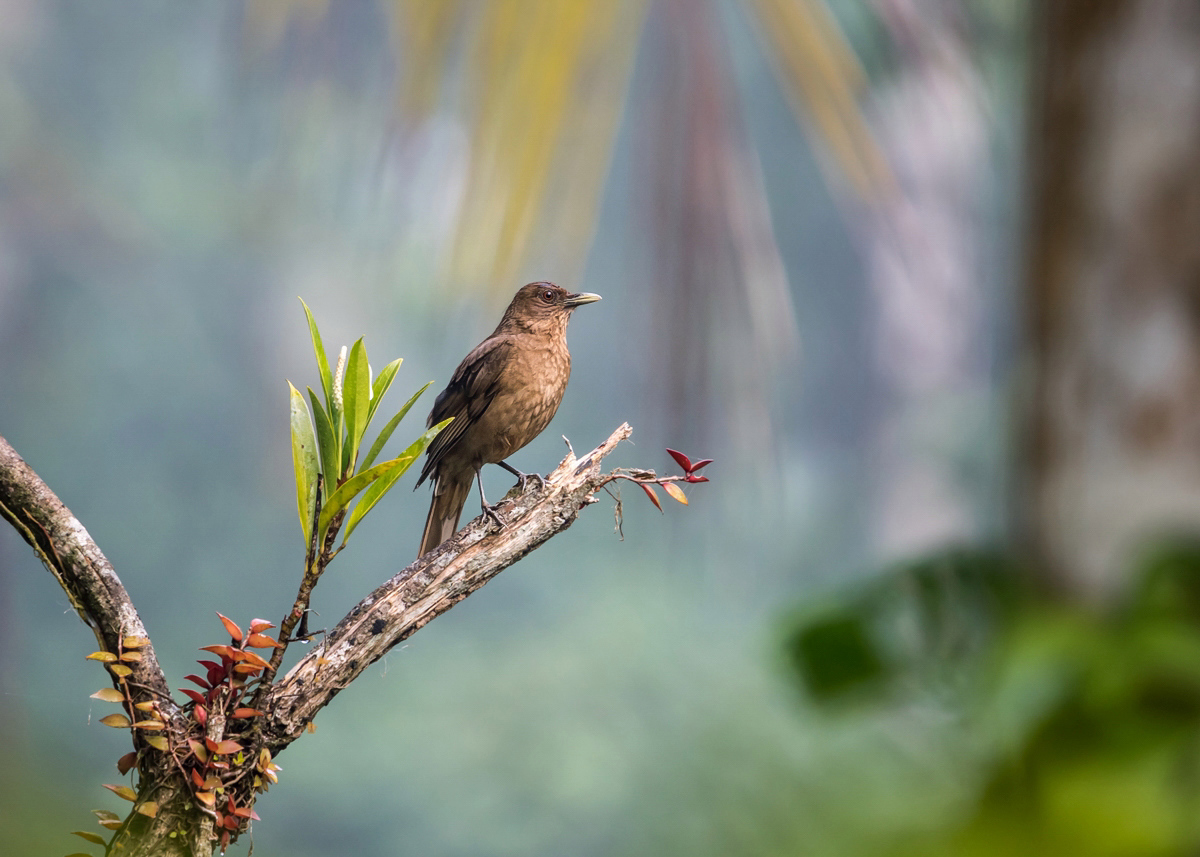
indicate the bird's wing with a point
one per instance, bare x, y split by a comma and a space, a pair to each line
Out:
466, 397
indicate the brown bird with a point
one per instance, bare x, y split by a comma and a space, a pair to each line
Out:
501, 397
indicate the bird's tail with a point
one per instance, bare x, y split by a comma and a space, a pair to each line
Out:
449, 495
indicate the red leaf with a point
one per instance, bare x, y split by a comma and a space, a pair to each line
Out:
242, 713
231, 627
125, 763
196, 679
255, 660
262, 641
704, 462
193, 695
201, 715
223, 651
653, 496
231, 822
226, 748
197, 779
259, 625
216, 675
680, 459
691, 478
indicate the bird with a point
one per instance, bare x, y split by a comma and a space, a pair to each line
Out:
502, 395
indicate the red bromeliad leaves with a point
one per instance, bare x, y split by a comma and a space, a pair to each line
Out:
231, 627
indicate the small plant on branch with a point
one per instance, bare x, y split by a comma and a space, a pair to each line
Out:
325, 455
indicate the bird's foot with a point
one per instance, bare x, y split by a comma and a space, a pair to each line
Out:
523, 478
489, 511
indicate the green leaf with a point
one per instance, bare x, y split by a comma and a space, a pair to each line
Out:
90, 837
304, 460
330, 458
384, 435
346, 492
356, 395
381, 485
322, 360
383, 382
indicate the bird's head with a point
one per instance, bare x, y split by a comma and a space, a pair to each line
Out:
543, 308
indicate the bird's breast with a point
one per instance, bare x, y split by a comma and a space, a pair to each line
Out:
530, 390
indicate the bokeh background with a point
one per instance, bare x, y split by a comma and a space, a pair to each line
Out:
918, 274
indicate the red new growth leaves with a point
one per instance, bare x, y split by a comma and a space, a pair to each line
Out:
231, 627
647, 479
214, 764
689, 469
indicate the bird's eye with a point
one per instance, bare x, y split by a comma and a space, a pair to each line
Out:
548, 296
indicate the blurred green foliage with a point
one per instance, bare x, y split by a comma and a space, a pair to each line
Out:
1086, 720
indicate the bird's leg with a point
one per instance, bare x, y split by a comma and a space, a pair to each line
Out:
488, 509
522, 478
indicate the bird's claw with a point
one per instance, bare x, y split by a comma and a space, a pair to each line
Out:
524, 478
490, 512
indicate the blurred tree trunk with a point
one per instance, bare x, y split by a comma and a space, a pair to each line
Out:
1113, 450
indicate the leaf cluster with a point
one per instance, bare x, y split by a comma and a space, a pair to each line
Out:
327, 443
